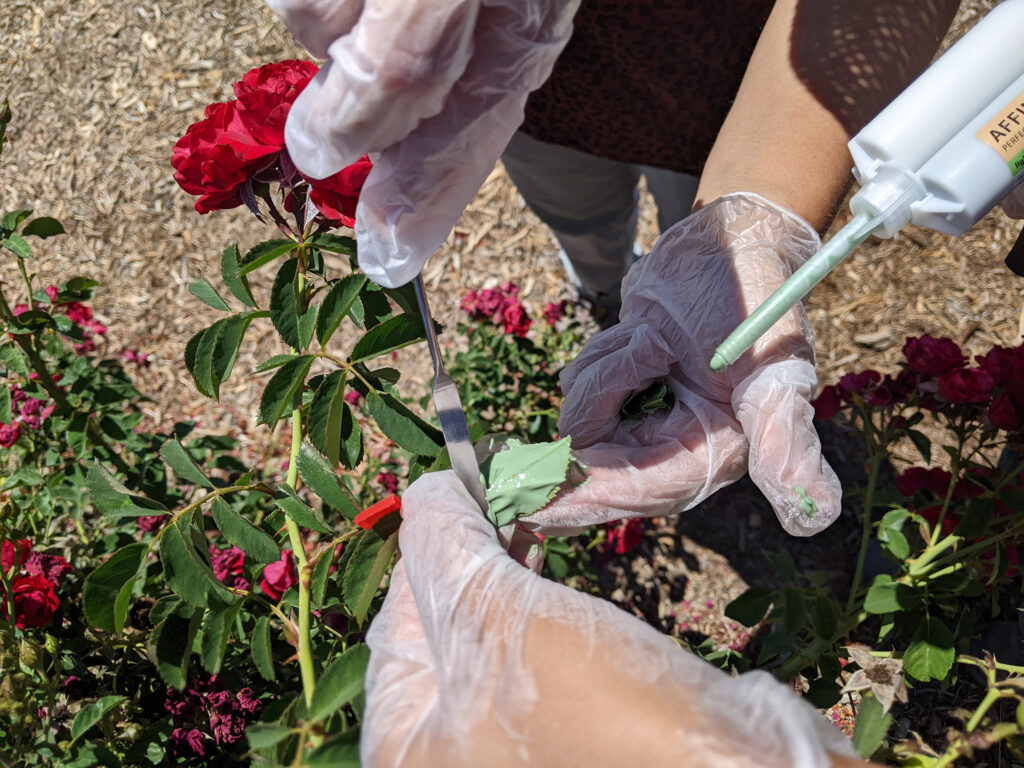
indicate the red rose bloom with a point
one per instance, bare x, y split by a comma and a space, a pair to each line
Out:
51, 567
35, 601
515, 320
624, 535
216, 156
337, 196
9, 434
14, 554
826, 405
916, 479
279, 577
857, 384
1003, 364
265, 95
932, 356
554, 311
966, 385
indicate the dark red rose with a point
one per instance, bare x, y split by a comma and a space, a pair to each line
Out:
14, 554
337, 196
279, 577
916, 479
216, 156
150, 522
857, 384
1003, 413
388, 480
554, 311
265, 95
515, 320
927, 354
827, 404
966, 385
624, 535
51, 567
226, 563
1003, 364
35, 601
9, 434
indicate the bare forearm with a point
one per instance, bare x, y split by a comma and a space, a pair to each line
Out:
816, 77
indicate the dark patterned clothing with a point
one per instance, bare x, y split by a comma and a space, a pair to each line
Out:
648, 81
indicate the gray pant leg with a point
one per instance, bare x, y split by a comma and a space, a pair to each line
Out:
674, 193
589, 203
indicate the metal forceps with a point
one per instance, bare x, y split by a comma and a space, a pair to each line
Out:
450, 411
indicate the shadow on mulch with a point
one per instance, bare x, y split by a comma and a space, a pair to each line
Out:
689, 567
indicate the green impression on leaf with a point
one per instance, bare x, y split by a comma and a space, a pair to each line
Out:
523, 478
639, 405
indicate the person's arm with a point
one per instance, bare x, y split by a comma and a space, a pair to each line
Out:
819, 73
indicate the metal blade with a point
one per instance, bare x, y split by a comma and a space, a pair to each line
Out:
451, 413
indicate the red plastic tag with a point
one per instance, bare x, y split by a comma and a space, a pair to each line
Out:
373, 514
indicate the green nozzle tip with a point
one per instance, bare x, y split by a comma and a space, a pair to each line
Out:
718, 362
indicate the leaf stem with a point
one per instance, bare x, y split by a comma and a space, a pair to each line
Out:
865, 536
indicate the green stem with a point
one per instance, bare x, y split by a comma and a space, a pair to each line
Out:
28, 281
991, 697
305, 650
865, 536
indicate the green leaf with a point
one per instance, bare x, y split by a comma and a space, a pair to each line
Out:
280, 391
326, 411
307, 324
340, 751
262, 656
375, 305
400, 424
319, 477
823, 694
229, 341
90, 714
288, 501
272, 362
826, 620
187, 571
871, 727
794, 612
14, 359
170, 647
777, 643
318, 580
332, 428
263, 735
191, 354
5, 405
341, 682
337, 304
284, 306
203, 372
370, 559
922, 443
106, 594
184, 466
394, 333
12, 219
750, 607
264, 253
112, 499
328, 241
523, 478
930, 653
43, 227
17, 245
5, 119
888, 596
206, 293
783, 563
217, 626
236, 283
243, 534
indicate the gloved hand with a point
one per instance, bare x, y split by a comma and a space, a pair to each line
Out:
704, 276
476, 660
437, 87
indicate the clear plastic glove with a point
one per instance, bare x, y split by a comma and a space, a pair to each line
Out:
476, 660
437, 87
704, 276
